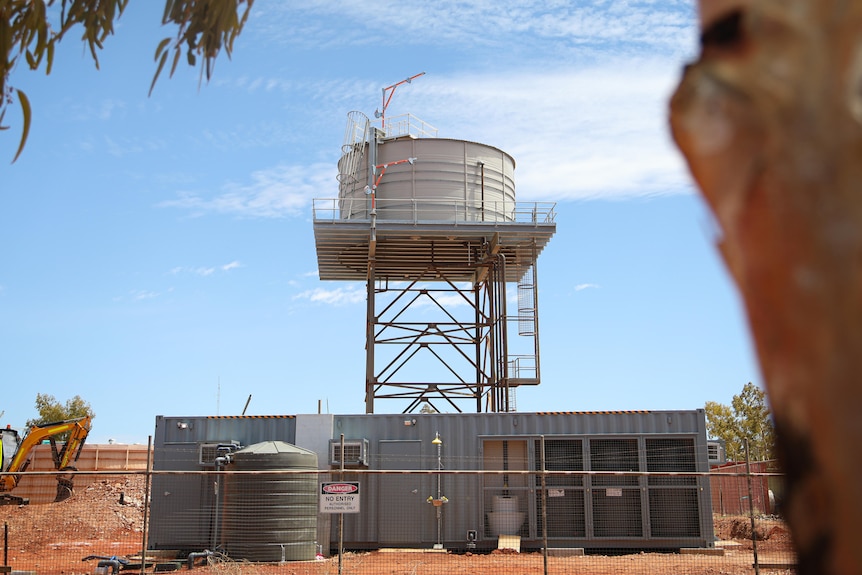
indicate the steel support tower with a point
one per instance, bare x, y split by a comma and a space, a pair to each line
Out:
442, 329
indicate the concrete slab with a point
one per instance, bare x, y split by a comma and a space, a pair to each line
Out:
565, 551
509, 542
715, 551
409, 550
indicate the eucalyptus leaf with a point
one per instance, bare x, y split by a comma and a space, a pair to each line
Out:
26, 32
27, 115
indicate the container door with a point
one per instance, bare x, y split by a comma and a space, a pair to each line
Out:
401, 505
564, 494
505, 497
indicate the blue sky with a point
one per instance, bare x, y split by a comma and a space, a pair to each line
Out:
158, 253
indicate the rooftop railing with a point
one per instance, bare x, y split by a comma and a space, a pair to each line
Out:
408, 125
433, 210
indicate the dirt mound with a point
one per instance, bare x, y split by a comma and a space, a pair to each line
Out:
105, 509
770, 531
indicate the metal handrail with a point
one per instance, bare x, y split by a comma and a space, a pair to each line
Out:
415, 210
409, 125
523, 366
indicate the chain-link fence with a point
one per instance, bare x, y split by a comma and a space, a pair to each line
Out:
438, 521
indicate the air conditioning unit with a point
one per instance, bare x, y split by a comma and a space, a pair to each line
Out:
208, 452
716, 453
355, 452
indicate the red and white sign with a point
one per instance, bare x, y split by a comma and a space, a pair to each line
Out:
350, 487
339, 497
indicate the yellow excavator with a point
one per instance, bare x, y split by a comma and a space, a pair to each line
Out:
16, 454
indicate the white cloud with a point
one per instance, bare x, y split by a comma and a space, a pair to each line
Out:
143, 295
270, 193
581, 287
139, 295
107, 107
661, 24
574, 133
205, 271
579, 127
339, 296
103, 110
447, 301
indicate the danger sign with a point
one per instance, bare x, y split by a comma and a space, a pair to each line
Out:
339, 497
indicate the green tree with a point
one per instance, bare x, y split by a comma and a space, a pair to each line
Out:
747, 418
721, 424
51, 410
756, 425
204, 28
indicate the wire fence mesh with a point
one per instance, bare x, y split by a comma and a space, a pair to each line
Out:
405, 521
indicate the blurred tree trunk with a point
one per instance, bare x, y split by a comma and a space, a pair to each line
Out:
770, 121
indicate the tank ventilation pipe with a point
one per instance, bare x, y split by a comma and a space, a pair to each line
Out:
205, 554
221, 462
114, 564
482, 188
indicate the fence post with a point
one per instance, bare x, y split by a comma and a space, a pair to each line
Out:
341, 515
751, 508
544, 509
146, 505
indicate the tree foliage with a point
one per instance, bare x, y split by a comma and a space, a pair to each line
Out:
747, 417
721, 424
204, 28
51, 410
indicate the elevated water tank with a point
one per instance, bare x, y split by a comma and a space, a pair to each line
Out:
452, 180
271, 516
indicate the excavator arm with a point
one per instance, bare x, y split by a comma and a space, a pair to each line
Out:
77, 430
72, 447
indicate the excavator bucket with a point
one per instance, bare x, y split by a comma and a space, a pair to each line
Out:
64, 489
64, 486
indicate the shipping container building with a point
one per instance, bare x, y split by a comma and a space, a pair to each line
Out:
649, 488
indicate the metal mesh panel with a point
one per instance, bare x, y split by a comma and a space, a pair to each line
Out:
592, 530
617, 512
674, 512
564, 494
566, 513
614, 455
562, 455
670, 455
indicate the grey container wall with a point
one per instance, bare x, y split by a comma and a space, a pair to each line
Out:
640, 512
270, 516
591, 512
182, 506
248, 430
450, 180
